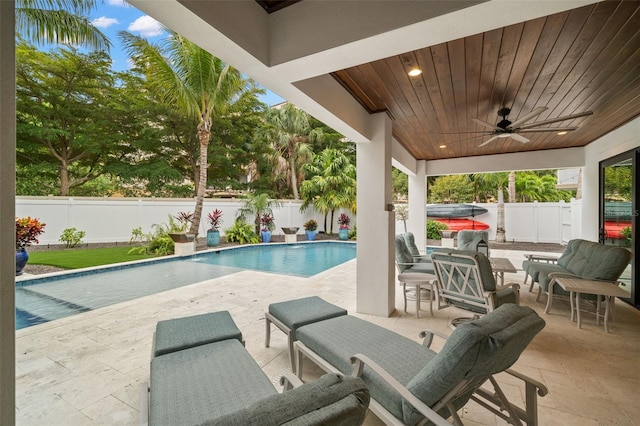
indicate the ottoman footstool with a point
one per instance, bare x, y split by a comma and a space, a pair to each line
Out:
182, 333
290, 315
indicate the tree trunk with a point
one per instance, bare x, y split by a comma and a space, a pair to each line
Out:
501, 236
294, 179
204, 133
512, 187
64, 180
579, 189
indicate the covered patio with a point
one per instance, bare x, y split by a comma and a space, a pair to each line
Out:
319, 55
86, 369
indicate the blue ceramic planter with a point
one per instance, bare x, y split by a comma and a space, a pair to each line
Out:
266, 236
21, 260
343, 234
213, 238
311, 235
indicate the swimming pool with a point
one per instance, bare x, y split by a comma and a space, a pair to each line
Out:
45, 299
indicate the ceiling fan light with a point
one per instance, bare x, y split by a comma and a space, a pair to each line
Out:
414, 72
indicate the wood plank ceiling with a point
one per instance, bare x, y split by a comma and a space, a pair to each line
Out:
586, 59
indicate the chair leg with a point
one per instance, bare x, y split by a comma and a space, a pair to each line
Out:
404, 295
267, 336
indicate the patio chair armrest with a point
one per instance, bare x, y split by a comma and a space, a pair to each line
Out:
289, 381
407, 263
541, 258
541, 389
496, 401
428, 335
502, 287
423, 256
553, 275
359, 361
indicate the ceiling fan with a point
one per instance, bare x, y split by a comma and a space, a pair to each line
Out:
508, 129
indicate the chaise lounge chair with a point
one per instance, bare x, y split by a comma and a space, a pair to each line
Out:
410, 383
202, 375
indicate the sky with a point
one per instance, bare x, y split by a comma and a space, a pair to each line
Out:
113, 16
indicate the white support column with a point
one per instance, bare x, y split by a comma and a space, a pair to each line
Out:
417, 223
7, 213
375, 293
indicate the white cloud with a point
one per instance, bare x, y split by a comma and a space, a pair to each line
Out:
120, 3
146, 26
104, 22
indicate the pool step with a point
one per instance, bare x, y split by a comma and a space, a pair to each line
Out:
44, 306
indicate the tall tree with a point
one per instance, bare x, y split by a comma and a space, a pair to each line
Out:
190, 78
499, 181
287, 128
65, 113
330, 184
59, 21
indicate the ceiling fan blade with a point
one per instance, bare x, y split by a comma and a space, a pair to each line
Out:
555, 120
536, 112
548, 129
485, 124
463, 133
487, 141
518, 137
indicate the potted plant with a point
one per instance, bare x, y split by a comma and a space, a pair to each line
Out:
178, 231
344, 221
27, 232
213, 234
268, 225
310, 227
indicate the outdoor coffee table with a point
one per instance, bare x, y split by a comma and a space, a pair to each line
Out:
578, 286
500, 265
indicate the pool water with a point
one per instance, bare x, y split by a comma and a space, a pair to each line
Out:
40, 300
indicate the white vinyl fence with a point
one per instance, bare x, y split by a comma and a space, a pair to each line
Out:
113, 219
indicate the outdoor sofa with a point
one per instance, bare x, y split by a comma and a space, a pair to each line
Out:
580, 259
411, 384
197, 379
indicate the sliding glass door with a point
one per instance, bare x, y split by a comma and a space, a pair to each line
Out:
619, 212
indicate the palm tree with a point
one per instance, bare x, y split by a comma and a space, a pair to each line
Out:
256, 206
499, 180
330, 184
59, 21
289, 131
191, 79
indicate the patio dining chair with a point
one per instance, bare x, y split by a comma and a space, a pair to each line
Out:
466, 280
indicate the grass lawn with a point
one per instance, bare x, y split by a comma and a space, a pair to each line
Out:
83, 258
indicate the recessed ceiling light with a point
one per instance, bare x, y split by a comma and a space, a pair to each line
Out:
562, 133
414, 72
443, 146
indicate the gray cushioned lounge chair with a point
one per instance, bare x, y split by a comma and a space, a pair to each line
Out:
219, 383
410, 383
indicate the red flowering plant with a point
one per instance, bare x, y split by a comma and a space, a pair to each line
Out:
215, 219
344, 221
267, 222
27, 231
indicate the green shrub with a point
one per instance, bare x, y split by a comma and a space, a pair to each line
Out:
353, 233
136, 235
158, 240
433, 226
241, 232
626, 232
71, 237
